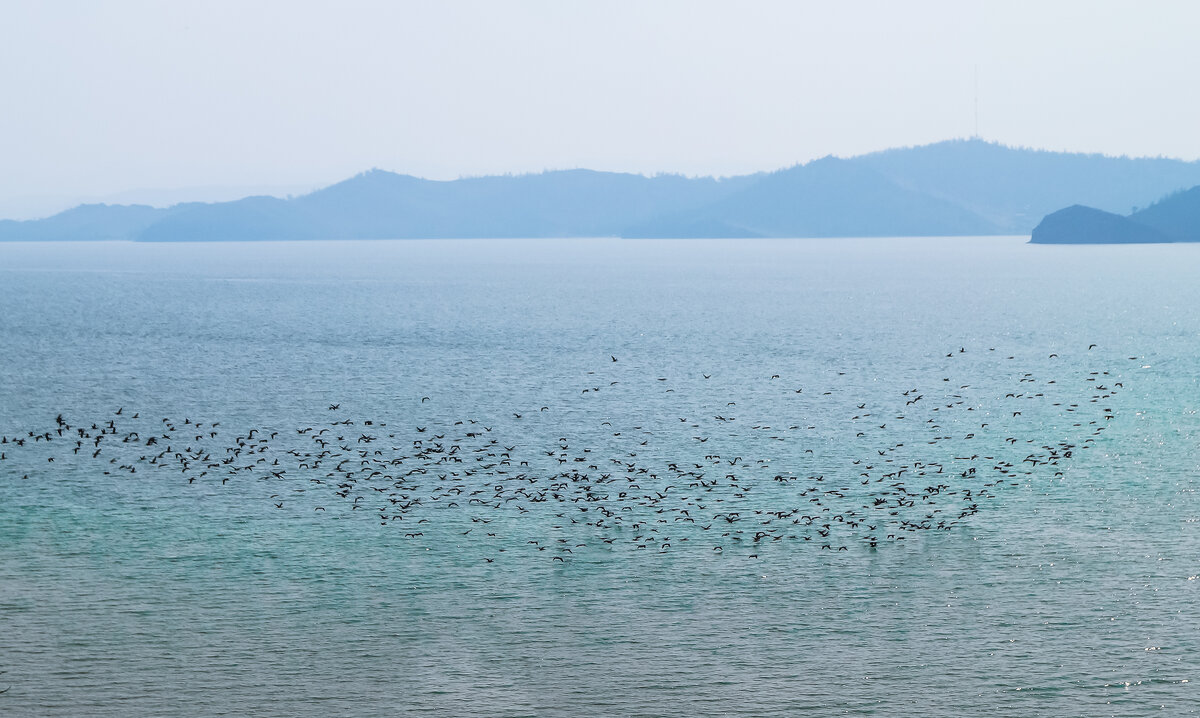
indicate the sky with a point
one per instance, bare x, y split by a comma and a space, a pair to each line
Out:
162, 102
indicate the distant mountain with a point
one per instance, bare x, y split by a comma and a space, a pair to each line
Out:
1015, 188
825, 198
550, 204
252, 218
961, 187
378, 205
1176, 218
85, 222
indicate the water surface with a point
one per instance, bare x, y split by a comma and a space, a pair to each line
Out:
1072, 591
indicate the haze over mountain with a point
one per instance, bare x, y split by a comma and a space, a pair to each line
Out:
958, 187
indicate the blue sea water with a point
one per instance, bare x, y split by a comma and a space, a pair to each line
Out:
1070, 589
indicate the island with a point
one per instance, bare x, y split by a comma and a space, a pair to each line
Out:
1175, 218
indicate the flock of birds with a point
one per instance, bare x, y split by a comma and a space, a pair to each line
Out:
906, 463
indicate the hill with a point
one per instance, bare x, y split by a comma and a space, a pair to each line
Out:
378, 204
85, 222
1087, 225
1015, 188
826, 198
1175, 218
961, 187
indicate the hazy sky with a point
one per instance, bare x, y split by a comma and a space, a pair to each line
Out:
103, 97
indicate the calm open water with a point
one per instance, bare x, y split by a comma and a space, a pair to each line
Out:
1071, 590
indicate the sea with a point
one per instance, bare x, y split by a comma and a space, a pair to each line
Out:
597, 477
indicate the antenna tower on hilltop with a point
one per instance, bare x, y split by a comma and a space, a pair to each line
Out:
976, 135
